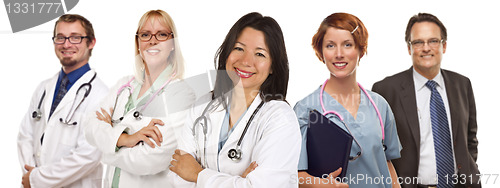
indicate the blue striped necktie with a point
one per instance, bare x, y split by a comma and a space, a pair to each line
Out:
60, 94
442, 139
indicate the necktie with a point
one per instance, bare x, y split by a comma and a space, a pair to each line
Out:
442, 138
60, 94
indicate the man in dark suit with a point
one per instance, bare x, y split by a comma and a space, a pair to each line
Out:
435, 113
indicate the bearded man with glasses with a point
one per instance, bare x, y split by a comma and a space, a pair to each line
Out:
52, 148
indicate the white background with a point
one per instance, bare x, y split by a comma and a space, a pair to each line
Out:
28, 57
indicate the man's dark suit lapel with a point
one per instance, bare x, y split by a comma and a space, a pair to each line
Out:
409, 104
452, 94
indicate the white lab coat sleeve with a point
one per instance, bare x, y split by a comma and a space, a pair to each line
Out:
186, 140
143, 159
80, 162
25, 136
276, 153
99, 133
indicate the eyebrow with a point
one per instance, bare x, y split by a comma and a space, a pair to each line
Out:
165, 31
70, 34
348, 40
258, 48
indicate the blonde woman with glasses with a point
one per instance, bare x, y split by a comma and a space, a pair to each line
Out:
136, 124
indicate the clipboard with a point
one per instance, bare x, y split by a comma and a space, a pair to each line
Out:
328, 146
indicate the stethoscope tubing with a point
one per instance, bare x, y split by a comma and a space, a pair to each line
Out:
345, 125
37, 113
138, 113
341, 118
204, 125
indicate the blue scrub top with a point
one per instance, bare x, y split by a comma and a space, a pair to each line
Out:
369, 170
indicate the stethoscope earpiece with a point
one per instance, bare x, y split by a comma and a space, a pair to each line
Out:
234, 154
67, 123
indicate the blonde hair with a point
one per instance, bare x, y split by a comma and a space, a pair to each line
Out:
176, 58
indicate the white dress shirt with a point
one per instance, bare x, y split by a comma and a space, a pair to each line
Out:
427, 173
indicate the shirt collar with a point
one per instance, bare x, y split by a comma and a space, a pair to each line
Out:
73, 76
165, 75
421, 80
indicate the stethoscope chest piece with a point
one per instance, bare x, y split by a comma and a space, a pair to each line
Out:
234, 154
137, 115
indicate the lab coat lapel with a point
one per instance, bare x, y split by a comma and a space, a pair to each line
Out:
238, 130
50, 88
215, 119
408, 102
68, 99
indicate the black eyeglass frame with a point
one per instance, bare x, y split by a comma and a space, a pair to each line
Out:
68, 38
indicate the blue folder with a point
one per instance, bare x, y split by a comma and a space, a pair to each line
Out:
328, 146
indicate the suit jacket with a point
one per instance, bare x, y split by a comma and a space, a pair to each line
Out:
399, 91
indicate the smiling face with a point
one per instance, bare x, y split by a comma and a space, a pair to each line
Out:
155, 53
249, 63
426, 59
72, 56
340, 53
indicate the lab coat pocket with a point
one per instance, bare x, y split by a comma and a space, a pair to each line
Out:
69, 133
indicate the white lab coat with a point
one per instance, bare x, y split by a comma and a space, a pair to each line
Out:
273, 140
65, 159
141, 165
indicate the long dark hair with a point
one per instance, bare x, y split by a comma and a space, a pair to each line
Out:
276, 84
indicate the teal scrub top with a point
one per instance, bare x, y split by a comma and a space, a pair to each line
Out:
369, 170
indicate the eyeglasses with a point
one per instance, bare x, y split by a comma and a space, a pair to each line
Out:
160, 36
433, 43
72, 39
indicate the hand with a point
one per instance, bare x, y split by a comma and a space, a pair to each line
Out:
150, 131
250, 168
333, 176
26, 177
104, 116
184, 165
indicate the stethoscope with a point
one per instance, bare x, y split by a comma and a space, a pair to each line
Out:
342, 119
37, 114
137, 113
233, 154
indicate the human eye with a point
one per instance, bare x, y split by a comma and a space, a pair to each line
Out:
348, 45
75, 38
418, 43
59, 38
433, 41
260, 54
144, 35
237, 48
329, 46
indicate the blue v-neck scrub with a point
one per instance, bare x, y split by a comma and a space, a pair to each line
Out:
369, 170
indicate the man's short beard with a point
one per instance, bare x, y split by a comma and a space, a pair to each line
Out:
68, 62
